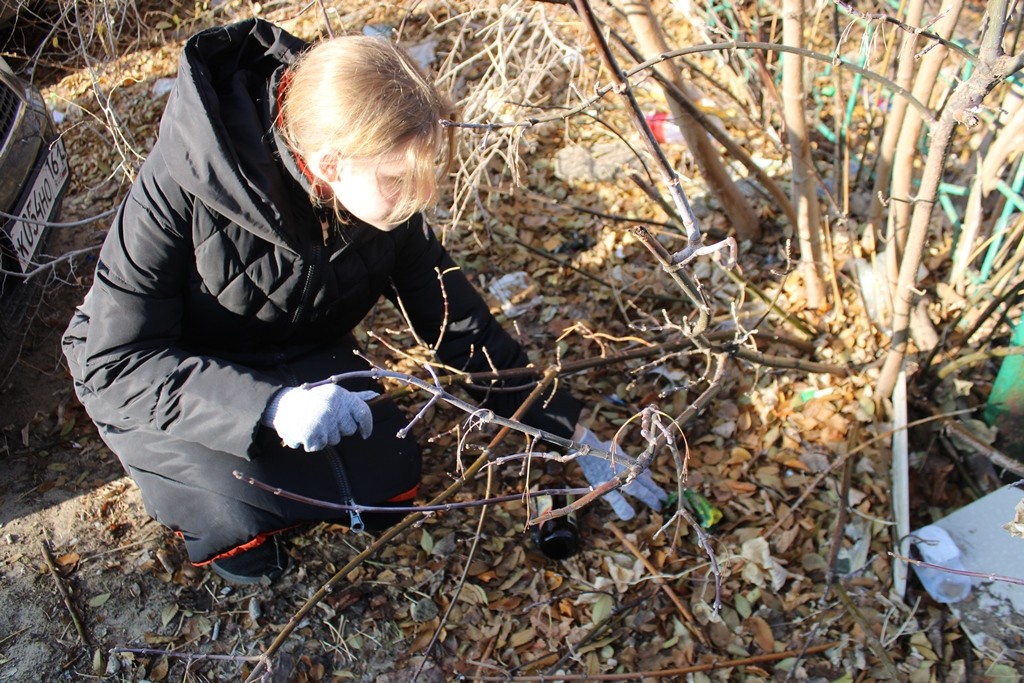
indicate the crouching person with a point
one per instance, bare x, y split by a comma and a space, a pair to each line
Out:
280, 202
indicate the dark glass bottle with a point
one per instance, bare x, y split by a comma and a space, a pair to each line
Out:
557, 538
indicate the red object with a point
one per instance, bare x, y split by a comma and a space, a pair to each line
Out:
662, 126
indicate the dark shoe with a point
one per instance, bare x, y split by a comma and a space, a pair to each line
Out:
265, 561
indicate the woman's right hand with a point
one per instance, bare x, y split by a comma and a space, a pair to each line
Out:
315, 418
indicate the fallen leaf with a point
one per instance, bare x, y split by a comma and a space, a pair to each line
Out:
760, 564
602, 609
99, 600
762, 634
507, 603
522, 637
168, 613
1016, 527
426, 542
473, 594
741, 486
68, 559
159, 670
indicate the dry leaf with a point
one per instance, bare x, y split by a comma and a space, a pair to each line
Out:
168, 613
68, 559
1016, 527
522, 637
99, 600
602, 608
426, 542
623, 577
762, 634
159, 670
473, 594
760, 564
507, 603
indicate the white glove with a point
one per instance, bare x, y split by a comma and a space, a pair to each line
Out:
598, 471
318, 417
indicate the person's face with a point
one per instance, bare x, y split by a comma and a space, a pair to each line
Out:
367, 188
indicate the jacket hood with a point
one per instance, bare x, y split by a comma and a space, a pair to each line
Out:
216, 135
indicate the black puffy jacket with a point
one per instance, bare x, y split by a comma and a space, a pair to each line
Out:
217, 285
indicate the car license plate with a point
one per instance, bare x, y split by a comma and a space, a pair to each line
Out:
47, 189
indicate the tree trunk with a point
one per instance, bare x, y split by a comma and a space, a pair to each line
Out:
906, 66
992, 68
902, 192
652, 42
804, 191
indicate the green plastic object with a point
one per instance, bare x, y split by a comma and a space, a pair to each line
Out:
707, 514
1005, 407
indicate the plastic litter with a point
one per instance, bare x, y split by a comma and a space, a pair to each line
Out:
935, 546
707, 514
663, 127
516, 293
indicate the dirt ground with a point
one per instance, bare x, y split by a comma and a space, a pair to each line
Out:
84, 570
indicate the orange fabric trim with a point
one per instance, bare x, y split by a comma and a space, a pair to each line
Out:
402, 497
238, 550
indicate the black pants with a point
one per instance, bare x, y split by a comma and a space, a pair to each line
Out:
194, 491
197, 494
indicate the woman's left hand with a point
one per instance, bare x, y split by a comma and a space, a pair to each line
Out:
598, 471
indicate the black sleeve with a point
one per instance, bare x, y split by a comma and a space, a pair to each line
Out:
450, 315
124, 342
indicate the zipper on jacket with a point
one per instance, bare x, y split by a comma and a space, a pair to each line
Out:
314, 258
341, 476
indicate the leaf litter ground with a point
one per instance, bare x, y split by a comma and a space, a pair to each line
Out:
769, 453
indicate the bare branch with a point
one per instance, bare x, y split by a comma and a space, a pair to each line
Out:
914, 30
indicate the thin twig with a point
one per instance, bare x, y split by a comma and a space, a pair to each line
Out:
926, 113
987, 576
842, 460
998, 458
189, 657
873, 642
38, 268
573, 649
62, 588
443, 507
841, 513
790, 363
977, 357
806, 328
915, 30
660, 580
457, 590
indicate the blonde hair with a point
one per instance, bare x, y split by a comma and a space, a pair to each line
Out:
357, 97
